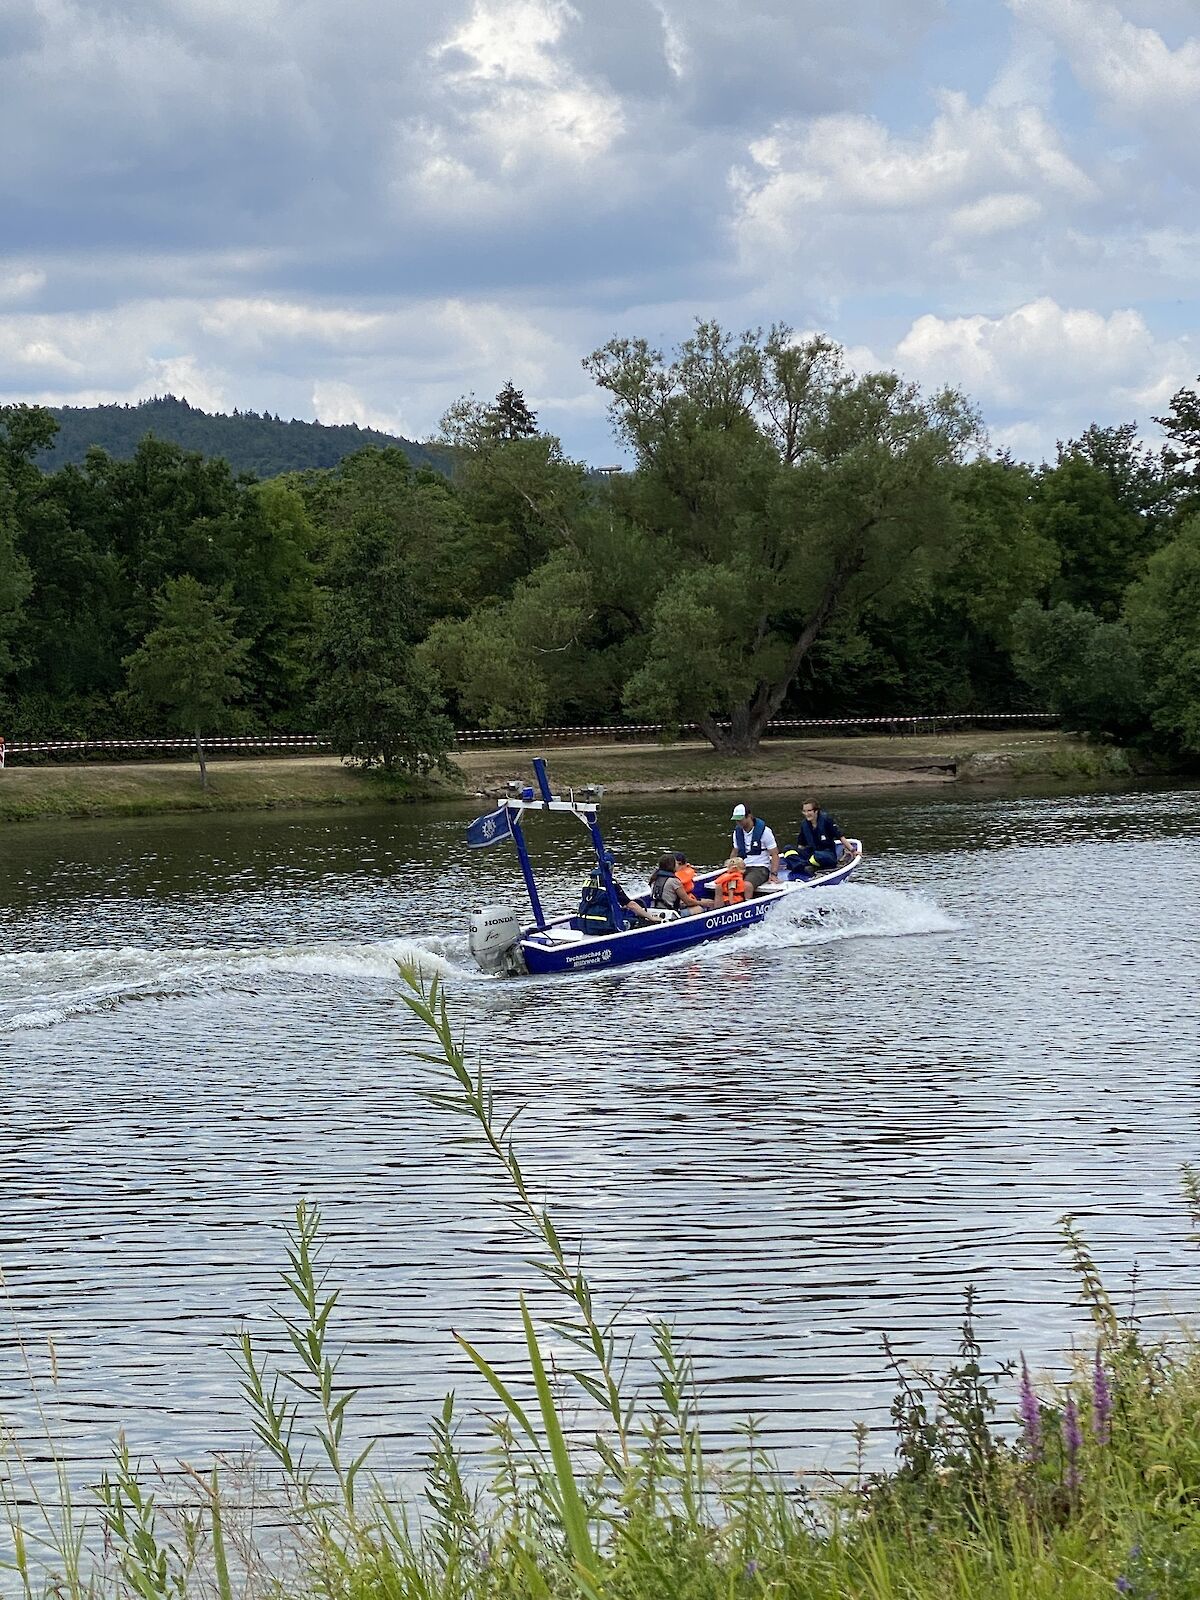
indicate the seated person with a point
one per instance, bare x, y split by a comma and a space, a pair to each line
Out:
686, 874
819, 844
667, 893
595, 913
755, 843
729, 885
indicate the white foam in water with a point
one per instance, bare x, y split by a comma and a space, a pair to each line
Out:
861, 911
66, 984
72, 983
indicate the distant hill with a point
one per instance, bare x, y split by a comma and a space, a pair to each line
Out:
265, 446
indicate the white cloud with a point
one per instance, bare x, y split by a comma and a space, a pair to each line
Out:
183, 377
336, 402
395, 370
849, 198
1131, 68
20, 283
514, 101
1046, 371
259, 321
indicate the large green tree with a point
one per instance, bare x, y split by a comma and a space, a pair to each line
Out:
778, 493
24, 430
1163, 612
381, 706
189, 670
1086, 669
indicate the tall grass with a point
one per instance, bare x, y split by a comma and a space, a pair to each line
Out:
1091, 1489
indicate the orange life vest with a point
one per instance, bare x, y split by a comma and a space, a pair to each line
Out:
687, 877
729, 887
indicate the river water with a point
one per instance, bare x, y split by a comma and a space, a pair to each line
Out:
789, 1143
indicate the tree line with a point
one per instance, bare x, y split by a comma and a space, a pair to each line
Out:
789, 537
262, 445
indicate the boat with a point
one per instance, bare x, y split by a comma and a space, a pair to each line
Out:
502, 944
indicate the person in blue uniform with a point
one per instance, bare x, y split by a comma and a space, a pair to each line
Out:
820, 842
595, 914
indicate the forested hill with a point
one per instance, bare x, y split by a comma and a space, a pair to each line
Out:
263, 445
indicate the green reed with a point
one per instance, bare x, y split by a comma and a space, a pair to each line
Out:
1091, 1489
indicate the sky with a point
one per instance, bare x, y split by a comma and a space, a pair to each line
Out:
359, 210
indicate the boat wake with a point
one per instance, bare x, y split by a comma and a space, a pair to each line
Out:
43, 989
860, 911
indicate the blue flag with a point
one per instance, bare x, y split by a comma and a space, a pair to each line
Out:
489, 829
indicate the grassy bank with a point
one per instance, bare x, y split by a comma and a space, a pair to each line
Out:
596, 1492
144, 789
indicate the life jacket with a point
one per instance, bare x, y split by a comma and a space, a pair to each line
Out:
595, 913
729, 887
658, 882
753, 845
687, 877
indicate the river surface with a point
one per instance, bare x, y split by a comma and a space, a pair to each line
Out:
790, 1143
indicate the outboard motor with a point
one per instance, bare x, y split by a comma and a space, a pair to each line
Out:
495, 940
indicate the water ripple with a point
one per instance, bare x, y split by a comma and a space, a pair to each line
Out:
790, 1143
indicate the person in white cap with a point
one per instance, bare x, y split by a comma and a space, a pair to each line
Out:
755, 843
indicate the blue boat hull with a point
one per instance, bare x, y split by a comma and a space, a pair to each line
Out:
559, 948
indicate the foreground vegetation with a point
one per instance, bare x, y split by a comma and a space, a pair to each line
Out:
601, 1492
791, 537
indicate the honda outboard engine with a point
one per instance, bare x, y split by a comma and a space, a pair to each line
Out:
495, 940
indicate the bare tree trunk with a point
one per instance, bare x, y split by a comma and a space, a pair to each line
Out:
200, 759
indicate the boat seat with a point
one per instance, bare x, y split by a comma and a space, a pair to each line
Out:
563, 935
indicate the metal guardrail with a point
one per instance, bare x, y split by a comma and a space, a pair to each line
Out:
899, 724
310, 741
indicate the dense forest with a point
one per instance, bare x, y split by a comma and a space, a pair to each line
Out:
261, 445
789, 538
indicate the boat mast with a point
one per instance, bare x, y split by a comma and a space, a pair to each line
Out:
518, 839
587, 815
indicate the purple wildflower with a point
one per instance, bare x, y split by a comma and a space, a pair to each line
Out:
1073, 1442
1122, 1584
1101, 1402
1031, 1415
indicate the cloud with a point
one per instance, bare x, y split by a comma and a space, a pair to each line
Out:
374, 207
1135, 75
1044, 371
851, 200
19, 283
393, 369
513, 102
336, 402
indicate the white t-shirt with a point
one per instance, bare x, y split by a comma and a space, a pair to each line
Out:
762, 856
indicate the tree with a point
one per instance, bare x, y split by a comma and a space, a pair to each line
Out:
515, 661
24, 430
778, 493
1163, 612
1101, 536
510, 417
378, 703
1086, 669
15, 579
190, 667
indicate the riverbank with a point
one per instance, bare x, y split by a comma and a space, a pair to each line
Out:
823, 764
